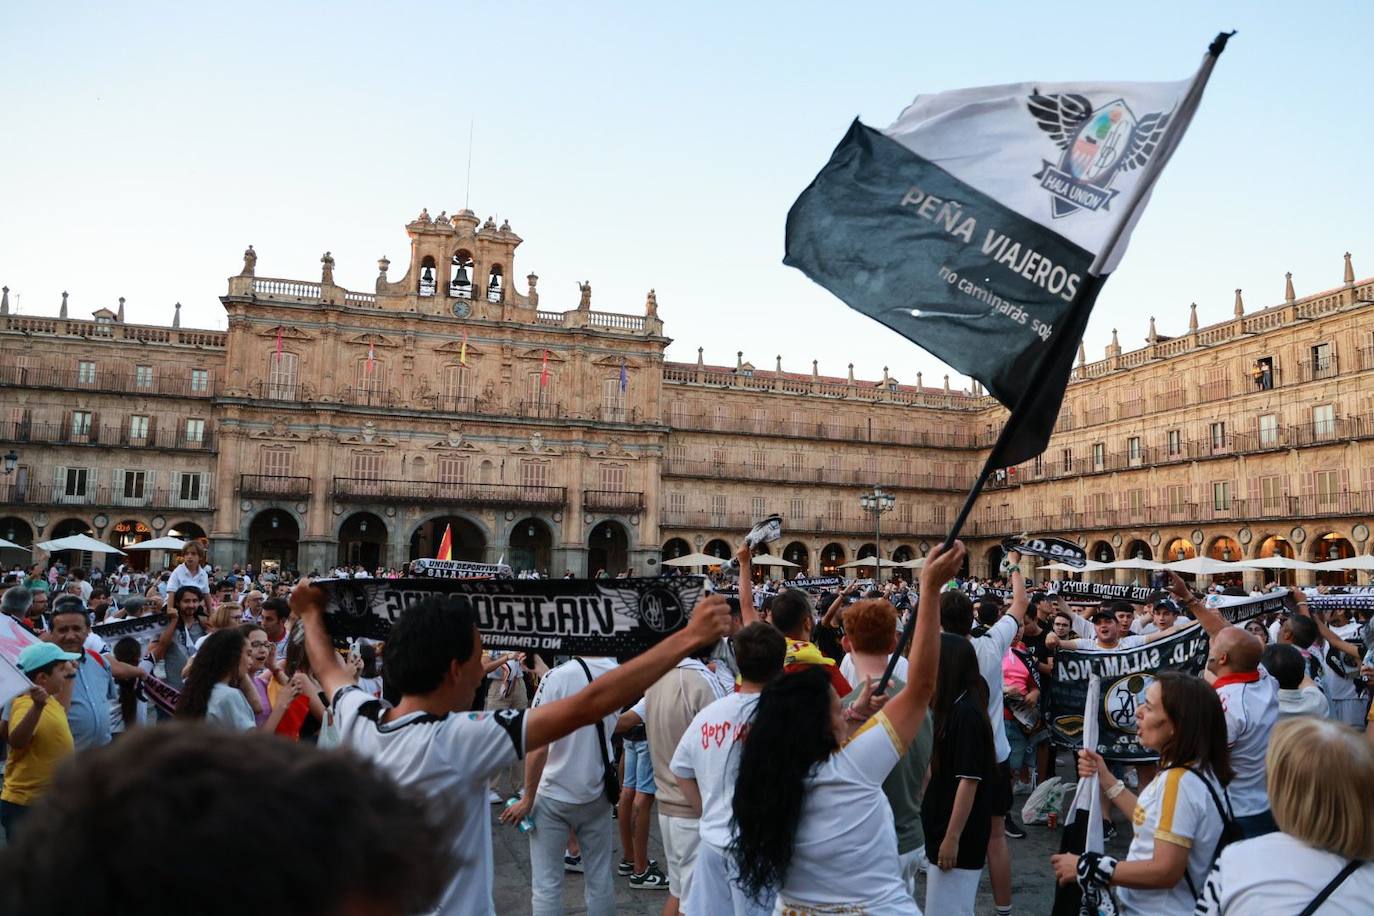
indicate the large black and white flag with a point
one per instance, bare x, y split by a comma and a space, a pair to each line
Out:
980, 225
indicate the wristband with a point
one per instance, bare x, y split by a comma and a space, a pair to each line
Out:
1095, 870
1115, 790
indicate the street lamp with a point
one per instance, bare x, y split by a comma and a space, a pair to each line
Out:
11, 459
877, 501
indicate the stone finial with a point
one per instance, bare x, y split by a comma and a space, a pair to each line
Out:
1154, 335
778, 366
1349, 271
651, 304
1192, 317
63, 313
119, 315
1114, 348
1288, 287
505, 226
815, 368
918, 381
584, 303
946, 384
5, 301
383, 265
1239, 310
701, 360
851, 373
176, 316
327, 269
1082, 355
250, 262
533, 280
885, 378
739, 360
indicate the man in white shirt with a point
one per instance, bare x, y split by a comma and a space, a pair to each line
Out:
1249, 697
956, 616
1108, 635
706, 762
430, 741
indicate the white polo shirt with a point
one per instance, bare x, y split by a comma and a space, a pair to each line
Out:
990, 647
450, 759
1276, 873
1177, 808
1252, 710
575, 770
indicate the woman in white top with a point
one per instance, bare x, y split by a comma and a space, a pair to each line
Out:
214, 687
191, 571
1326, 815
810, 815
1177, 818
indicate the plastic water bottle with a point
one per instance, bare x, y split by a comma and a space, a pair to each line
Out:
526, 823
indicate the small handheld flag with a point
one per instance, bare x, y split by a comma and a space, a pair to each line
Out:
624, 377
544, 371
446, 545
277, 355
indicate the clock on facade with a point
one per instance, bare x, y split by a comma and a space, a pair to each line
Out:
461, 308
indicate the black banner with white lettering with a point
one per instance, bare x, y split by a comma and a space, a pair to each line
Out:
144, 629
1057, 549
1126, 674
1101, 591
457, 569
608, 617
815, 583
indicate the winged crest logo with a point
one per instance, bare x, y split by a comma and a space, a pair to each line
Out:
1097, 143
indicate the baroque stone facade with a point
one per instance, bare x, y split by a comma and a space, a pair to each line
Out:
328, 425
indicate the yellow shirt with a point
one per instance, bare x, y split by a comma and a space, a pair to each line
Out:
29, 771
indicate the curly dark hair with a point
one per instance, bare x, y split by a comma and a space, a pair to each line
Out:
186, 786
789, 735
218, 658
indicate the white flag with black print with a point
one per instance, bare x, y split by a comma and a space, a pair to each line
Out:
979, 225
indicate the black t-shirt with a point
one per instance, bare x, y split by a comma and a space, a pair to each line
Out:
827, 639
1036, 649
962, 749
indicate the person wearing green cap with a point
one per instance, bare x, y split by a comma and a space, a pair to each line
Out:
39, 736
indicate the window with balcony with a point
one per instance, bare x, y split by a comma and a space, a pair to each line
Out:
722, 414
798, 462
904, 512
939, 516
131, 487
1137, 503
760, 420
281, 376
612, 478
200, 379
1038, 465
756, 510
677, 453
757, 461
75, 482
457, 380
367, 465
677, 503
796, 508
534, 473
677, 414
1134, 454
613, 401
1221, 496
1218, 430
195, 431
1175, 497
143, 376
834, 511
1099, 456
1262, 373
1324, 421
1327, 487
190, 485
452, 469
81, 424
1269, 430
275, 462
1066, 505
717, 459
85, 372
1271, 493
1066, 460
718, 508
796, 424
138, 427
1174, 443
1323, 361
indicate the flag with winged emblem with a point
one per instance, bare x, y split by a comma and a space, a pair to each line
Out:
981, 223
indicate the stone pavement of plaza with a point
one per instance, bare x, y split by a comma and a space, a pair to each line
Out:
1032, 885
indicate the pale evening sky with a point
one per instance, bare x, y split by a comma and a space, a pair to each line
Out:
635, 145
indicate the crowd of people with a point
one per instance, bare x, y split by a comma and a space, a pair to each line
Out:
795, 753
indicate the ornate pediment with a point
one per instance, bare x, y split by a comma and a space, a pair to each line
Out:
613, 449
456, 348
287, 333
381, 341
278, 432
368, 435
538, 354
614, 362
537, 446
455, 441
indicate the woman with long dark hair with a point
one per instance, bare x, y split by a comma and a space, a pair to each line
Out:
811, 821
1178, 820
957, 811
212, 690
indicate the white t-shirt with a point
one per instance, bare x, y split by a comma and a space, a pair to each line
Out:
845, 848
1252, 709
575, 770
229, 707
1338, 687
990, 647
709, 753
1125, 642
852, 676
1177, 808
450, 759
1276, 873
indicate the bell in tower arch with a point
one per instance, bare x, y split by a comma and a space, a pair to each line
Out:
427, 275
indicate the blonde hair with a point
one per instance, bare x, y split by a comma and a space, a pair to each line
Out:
194, 546
1331, 807
228, 614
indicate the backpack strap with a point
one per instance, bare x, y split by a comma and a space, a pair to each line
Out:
1331, 886
1227, 817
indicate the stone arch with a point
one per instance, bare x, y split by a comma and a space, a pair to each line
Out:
529, 545
1275, 545
993, 561
17, 531
273, 536
797, 552
1139, 549
717, 548
1332, 545
832, 557
362, 538
904, 553
674, 548
608, 547
470, 536
125, 533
